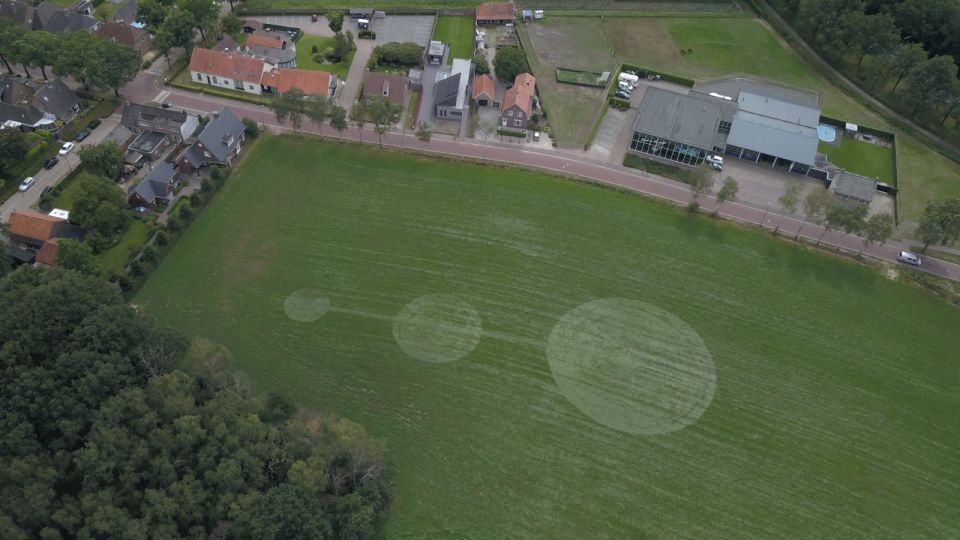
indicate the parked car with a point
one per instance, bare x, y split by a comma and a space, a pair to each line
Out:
904, 257
94, 123
66, 148
713, 158
314, 18
622, 95
625, 86
84, 133
166, 105
27, 183
716, 166
46, 190
51, 163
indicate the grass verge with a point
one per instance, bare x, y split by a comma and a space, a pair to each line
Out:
457, 33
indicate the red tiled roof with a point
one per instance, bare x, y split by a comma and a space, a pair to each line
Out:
33, 225
394, 85
48, 253
310, 82
265, 41
232, 66
521, 93
495, 11
483, 85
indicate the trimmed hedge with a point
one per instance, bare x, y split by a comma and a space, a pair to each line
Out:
676, 79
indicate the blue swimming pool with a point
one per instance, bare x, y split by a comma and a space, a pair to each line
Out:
827, 133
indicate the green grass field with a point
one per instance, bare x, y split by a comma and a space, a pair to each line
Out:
863, 158
133, 238
305, 56
353, 287
457, 33
720, 47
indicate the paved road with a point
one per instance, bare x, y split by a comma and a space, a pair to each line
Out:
52, 177
593, 171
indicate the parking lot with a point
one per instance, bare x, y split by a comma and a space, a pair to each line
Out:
303, 22
401, 28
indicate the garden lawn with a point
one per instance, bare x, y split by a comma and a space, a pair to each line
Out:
457, 33
70, 191
134, 237
833, 408
862, 158
305, 56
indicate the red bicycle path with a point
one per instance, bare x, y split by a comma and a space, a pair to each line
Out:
580, 168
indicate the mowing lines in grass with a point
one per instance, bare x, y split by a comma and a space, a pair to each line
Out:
456, 33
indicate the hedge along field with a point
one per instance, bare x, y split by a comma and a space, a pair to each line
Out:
548, 358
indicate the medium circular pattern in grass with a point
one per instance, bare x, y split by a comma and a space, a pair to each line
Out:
632, 366
437, 328
306, 305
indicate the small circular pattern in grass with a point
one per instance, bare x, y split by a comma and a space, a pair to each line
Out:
437, 328
632, 366
306, 305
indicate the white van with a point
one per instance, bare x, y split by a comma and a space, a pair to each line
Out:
628, 78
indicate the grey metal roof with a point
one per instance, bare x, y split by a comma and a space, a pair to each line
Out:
689, 119
733, 86
854, 186
774, 137
786, 111
222, 134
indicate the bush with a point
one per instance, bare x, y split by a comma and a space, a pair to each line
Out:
195, 199
146, 64
251, 128
693, 206
398, 54
186, 213
98, 3
173, 224
330, 55
481, 66
206, 185
367, 34
161, 238
148, 255
136, 268
125, 283
314, 49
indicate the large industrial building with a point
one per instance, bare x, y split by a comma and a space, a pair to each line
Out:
747, 119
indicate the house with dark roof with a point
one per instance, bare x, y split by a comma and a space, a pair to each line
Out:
218, 144
450, 93
517, 103
58, 99
156, 188
388, 85
21, 12
496, 13
177, 125
14, 90
55, 19
121, 32
33, 236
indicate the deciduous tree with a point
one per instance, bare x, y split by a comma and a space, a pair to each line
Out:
76, 255
907, 57
335, 21
383, 113
929, 82
815, 207
100, 207
338, 118
203, 13
10, 34
424, 133
510, 62
104, 159
728, 192
789, 201
290, 105
877, 229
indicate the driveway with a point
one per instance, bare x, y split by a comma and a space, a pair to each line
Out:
52, 177
348, 91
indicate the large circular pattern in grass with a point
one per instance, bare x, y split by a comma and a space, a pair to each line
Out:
306, 305
437, 328
632, 366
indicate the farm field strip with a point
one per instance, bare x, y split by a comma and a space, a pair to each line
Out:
428, 299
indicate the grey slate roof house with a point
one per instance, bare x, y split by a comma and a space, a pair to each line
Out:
46, 16
157, 187
218, 144
58, 99
178, 125
21, 12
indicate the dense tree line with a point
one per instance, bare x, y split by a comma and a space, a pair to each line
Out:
94, 61
913, 46
102, 437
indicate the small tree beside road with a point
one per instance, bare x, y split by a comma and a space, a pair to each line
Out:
728, 192
815, 207
939, 223
424, 133
338, 118
789, 201
877, 230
